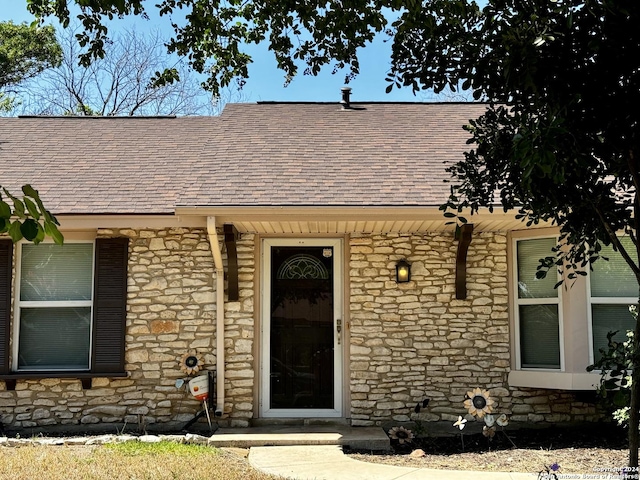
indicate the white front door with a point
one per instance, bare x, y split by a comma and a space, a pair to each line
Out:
301, 328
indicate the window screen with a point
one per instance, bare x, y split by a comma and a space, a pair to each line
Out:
613, 288
56, 284
538, 310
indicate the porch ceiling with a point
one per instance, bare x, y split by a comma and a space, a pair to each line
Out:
353, 226
313, 220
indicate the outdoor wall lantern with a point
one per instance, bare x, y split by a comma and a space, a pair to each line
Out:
403, 272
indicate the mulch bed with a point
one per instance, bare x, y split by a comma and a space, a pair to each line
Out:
549, 438
586, 449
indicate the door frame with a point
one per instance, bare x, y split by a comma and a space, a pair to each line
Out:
265, 326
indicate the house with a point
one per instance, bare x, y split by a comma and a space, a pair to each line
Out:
295, 249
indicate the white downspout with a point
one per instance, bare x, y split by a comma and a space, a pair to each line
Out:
217, 260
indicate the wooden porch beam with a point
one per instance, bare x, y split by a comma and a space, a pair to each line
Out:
463, 235
231, 235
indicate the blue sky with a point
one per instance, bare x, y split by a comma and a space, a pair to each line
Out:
266, 81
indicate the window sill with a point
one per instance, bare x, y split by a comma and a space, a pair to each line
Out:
554, 380
85, 377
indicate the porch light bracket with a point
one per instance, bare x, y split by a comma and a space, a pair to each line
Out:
464, 236
231, 235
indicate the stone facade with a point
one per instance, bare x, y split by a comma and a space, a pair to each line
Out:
408, 341
171, 311
414, 341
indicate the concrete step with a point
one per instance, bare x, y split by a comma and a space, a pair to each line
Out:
360, 438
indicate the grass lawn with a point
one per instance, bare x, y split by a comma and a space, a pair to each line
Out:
129, 460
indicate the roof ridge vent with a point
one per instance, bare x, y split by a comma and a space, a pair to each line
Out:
346, 100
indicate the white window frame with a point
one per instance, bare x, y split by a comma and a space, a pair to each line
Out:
517, 302
626, 301
19, 304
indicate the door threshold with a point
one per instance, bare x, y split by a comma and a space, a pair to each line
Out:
260, 422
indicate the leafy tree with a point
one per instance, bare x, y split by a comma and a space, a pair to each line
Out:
27, 218
25, 51
116, 84
215, 33
559, 139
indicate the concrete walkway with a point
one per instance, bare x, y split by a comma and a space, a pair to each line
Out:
327, 462
359, 438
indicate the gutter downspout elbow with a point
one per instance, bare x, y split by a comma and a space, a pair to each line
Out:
217, 260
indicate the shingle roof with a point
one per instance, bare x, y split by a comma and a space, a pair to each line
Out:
93, 165
318, 154
278, 154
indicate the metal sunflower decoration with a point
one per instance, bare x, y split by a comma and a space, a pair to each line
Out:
401, 434
479, 402
190, 363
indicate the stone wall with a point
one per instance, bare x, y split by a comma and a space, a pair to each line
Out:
408, 341
171, 311
414, 341
241, 377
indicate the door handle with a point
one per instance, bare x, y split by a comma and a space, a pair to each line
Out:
339, 329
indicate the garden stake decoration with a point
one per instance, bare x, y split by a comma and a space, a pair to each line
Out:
401, 435
479, 402
489, 429
480, 405
502, 421
419, 427
191, 363
460, 423
419, 406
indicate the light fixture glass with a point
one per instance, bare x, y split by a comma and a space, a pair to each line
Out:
403, 272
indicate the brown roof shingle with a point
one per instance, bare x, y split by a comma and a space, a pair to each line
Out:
95, 165
266, 154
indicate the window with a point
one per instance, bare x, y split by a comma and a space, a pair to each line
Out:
54, 306
538, 313
70, 308
612, 288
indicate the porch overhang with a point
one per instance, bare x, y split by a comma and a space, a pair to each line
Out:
341, 220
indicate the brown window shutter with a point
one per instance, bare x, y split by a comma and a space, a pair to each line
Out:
6, 261
109, 305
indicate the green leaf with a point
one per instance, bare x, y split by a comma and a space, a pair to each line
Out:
30, 191
5, 210
610, 384
18, 207
620, 398
40, 236
52, 230
31, 207
14, 232
29, 229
